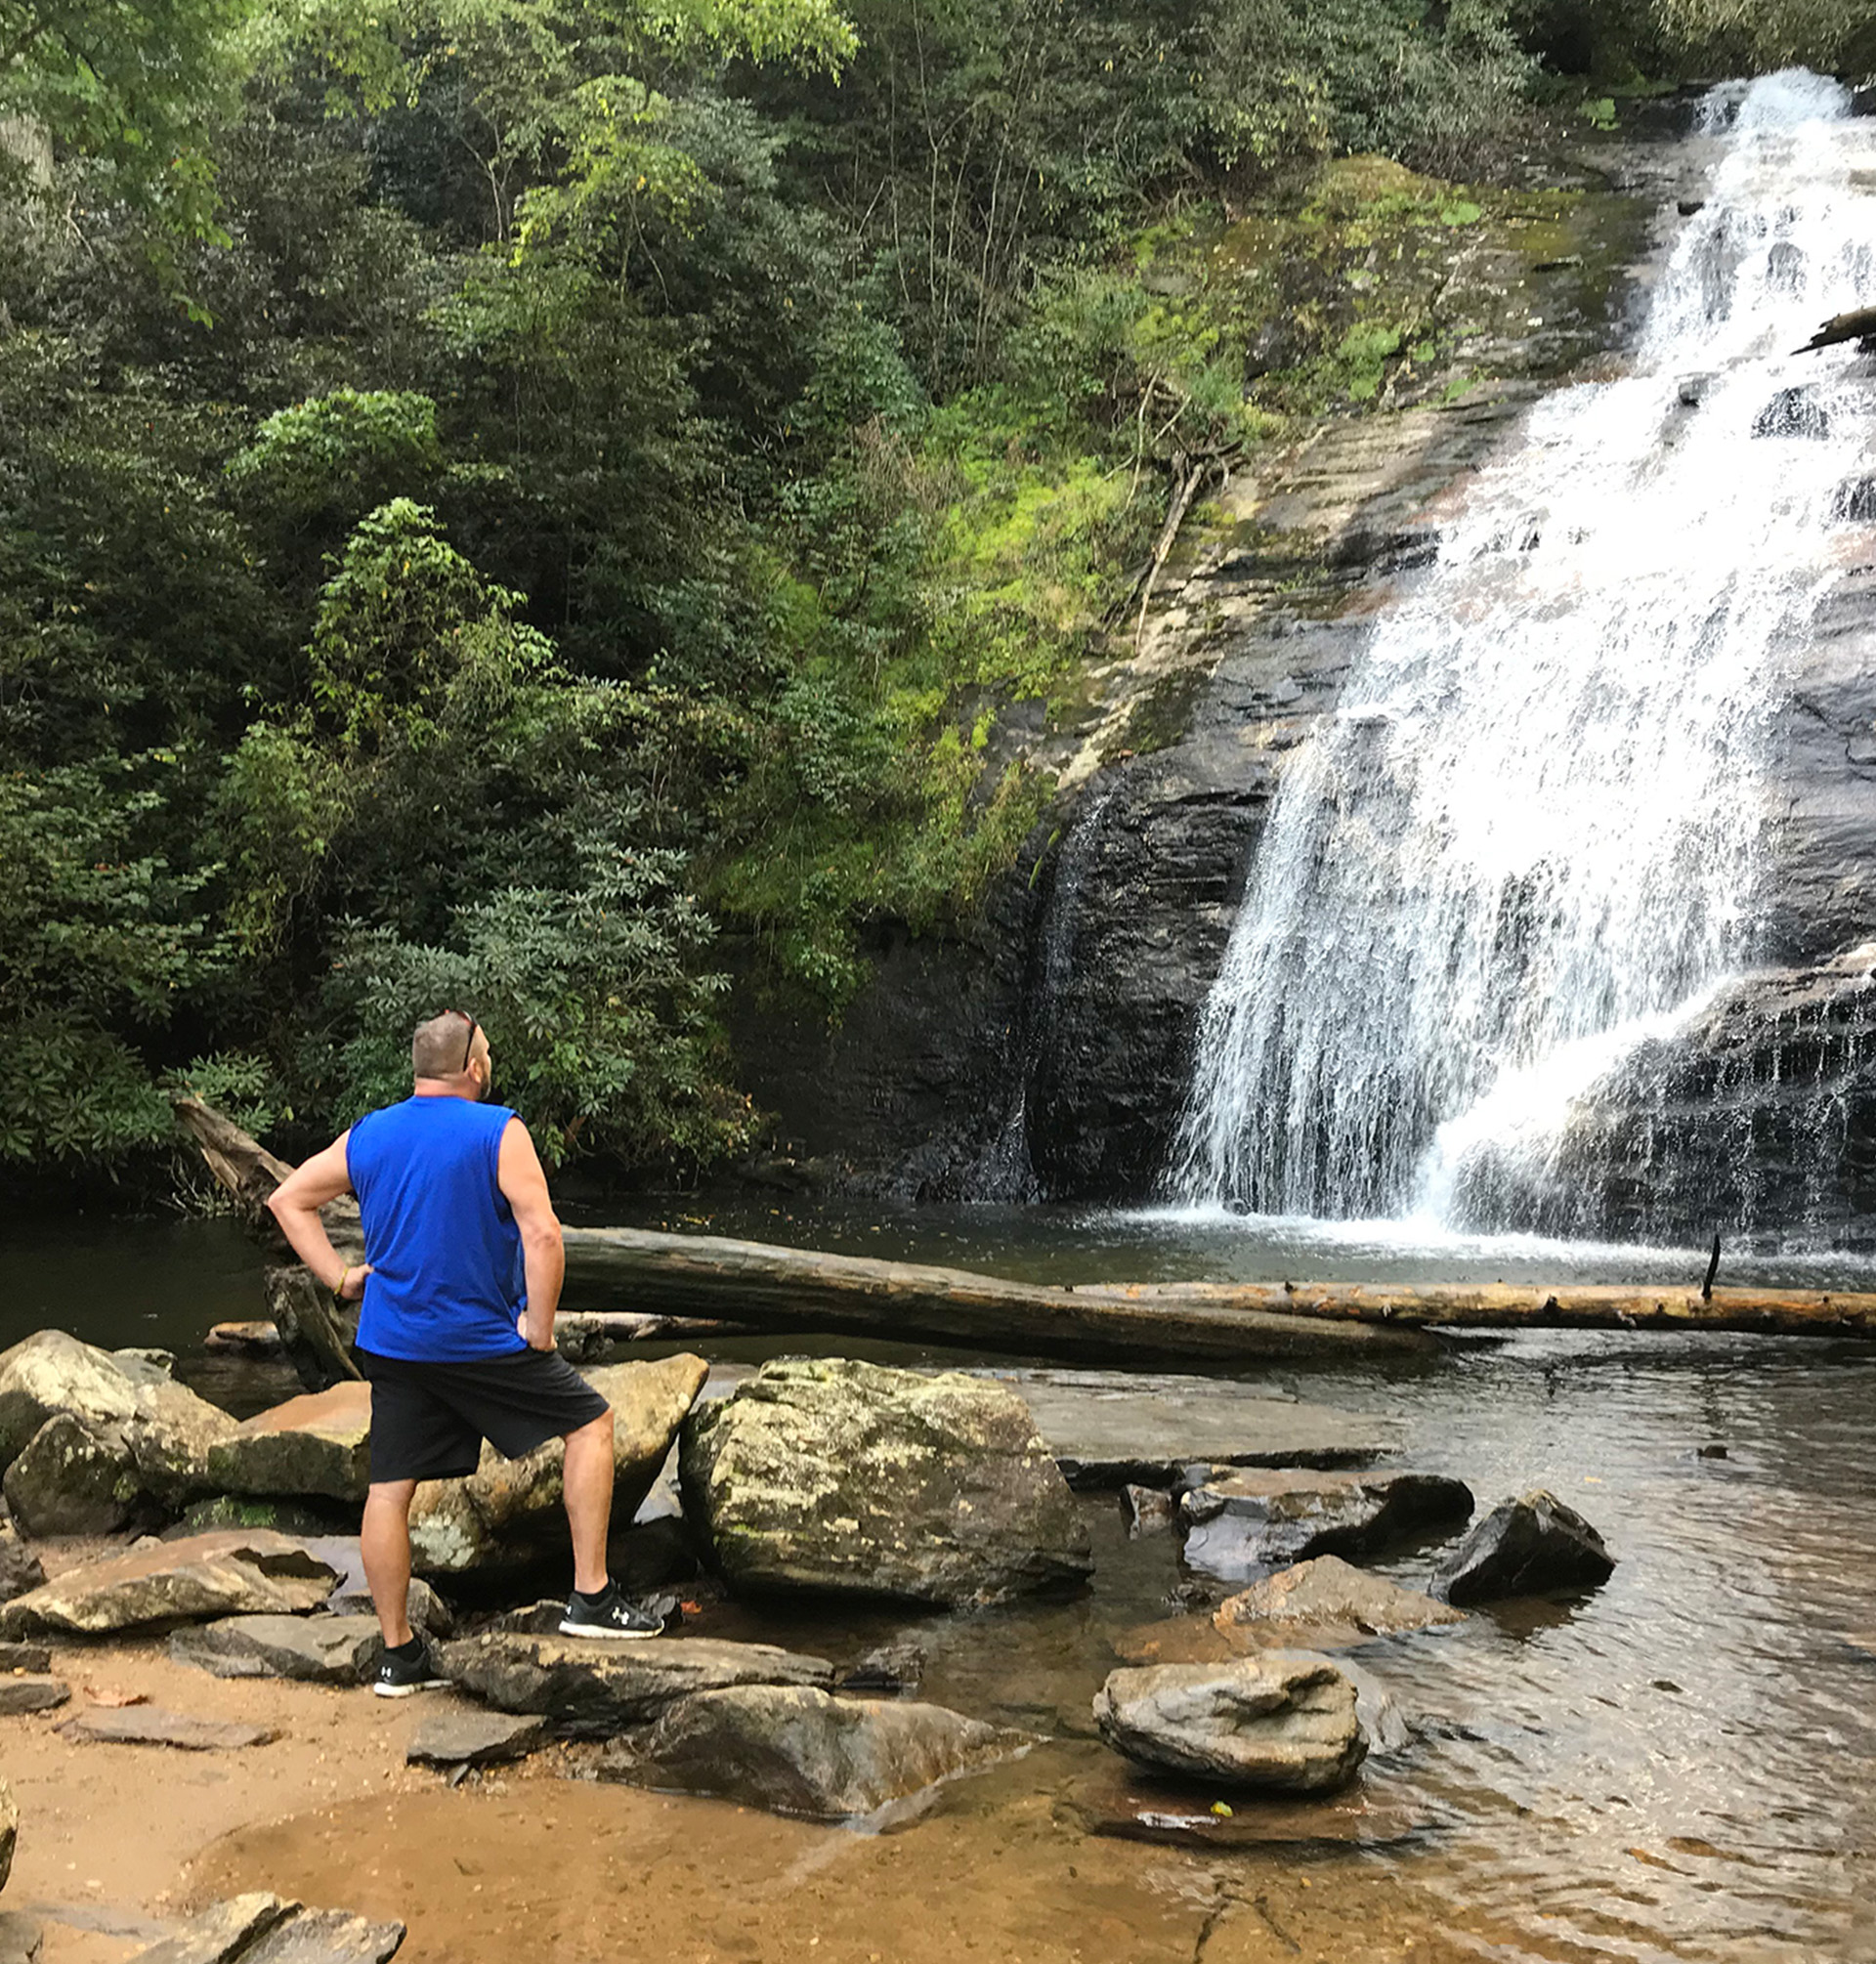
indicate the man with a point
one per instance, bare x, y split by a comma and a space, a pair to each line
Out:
456, 1323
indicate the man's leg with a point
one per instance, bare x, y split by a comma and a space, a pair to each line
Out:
588, 1487
384, 1540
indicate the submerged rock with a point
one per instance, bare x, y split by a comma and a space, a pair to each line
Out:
1243, 1521
829, 1474
316, 1445
1528, 1546
208, 1575
1326, 1604
315, 1649
797, 1750
127, 1405
508, 1510
612, 1684
1284, 1721
892, 1668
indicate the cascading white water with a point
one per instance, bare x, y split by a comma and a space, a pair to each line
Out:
1528, 836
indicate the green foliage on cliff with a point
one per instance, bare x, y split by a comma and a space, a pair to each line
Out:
544, 504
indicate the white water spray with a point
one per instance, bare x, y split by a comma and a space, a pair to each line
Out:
1530, 836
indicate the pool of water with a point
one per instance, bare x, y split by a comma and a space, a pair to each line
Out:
1678, 1766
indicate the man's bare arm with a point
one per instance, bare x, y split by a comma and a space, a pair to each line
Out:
295, 1204
524, 1185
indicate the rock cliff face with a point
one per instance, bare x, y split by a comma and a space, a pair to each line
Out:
1046, 1053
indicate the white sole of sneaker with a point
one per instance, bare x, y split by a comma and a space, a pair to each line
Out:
610, 1636
407, 1691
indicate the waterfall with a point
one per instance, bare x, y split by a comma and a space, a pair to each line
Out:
1528, 837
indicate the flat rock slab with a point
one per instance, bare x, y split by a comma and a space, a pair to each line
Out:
262, 1929
315, 1649
31, 1691
152, 1725
240, 1571
1528, 1546
607, 1684
25, 1657
1109, 1428
1243, 1522
455, 1738
1326, 1604
1284, 1721
794, 1750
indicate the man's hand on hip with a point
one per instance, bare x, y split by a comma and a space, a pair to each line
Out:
536, 1332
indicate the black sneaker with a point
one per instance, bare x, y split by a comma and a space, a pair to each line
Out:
608, 1615
397, 1677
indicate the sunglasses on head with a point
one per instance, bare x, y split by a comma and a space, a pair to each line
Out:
469, 1041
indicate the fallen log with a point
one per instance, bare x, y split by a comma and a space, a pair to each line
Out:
804, 1290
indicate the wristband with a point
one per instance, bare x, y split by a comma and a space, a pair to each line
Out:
338, 1288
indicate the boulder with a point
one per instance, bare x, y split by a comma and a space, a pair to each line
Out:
318, 1444
606, 1685
508, 1509
25, 1692
794, 1750
828, 1474
1528, 1546
425, 1608
20, 1569
25, 1657
9, 1830
258, 1342
1325, 1604
74, 1477
1148, 1511
471, 1738
892, 1668
1284, 1721
152, 1725
233, 1574
1240, 1523
166, 1430
315, 1649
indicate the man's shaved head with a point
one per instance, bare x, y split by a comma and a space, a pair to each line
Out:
437, 1047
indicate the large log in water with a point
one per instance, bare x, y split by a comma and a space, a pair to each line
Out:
1221, 1322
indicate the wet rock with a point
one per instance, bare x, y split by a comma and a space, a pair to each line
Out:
222, 1933
9, 1830
31, 1691
602, 1684
796, 1750
1120, 1804
1854, 500
165, 1428
74, 1477
150, 1725
318, 1444
262, 1928
258, 1342
1109, 1428
233, 1574
828, 1474
1148, 1511
20, 1570
1792, 412
458, 1739
1244, 1521
892, 1668
1528, 1546
1326, 1604
1284, 1721
25, 1657
509, 1509
313, 1649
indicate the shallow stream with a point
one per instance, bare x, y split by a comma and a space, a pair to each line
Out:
1681, 1764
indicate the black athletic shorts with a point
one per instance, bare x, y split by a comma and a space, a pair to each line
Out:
428, 1420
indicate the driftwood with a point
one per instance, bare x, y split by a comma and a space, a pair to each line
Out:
804, 1290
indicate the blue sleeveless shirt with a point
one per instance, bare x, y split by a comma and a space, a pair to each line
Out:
447, 1280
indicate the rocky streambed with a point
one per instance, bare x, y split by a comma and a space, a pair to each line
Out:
891, 1609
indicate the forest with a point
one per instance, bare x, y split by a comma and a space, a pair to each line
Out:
555, 506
